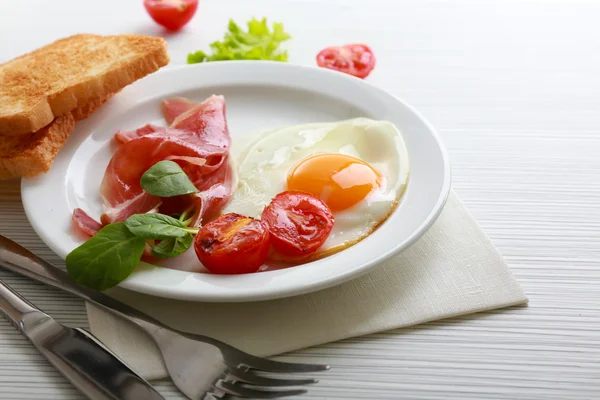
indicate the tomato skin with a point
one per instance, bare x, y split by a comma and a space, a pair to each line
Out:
299, 223
172, 14
353, 59
232, 244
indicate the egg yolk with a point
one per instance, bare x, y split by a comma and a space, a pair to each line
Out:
340, 181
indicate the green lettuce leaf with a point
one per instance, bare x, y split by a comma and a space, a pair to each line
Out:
258, 43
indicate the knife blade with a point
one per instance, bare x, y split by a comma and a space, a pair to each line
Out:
89, 365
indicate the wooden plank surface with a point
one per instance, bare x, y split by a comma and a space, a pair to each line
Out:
514, 89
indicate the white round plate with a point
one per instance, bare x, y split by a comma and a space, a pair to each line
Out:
259, 95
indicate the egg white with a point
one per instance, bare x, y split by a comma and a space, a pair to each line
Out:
264, 161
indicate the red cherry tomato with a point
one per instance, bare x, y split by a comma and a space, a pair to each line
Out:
353, 59
172, 14
299, 223
232, 244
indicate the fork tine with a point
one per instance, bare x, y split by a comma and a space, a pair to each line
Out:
265, 365
236, 389
247, 377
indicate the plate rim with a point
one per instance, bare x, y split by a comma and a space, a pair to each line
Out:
326, 282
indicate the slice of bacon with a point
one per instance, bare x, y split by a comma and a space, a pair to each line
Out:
85, 223
199, 133
175, 106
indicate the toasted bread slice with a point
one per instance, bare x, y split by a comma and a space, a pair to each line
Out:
56, 79
33, 154
88, 109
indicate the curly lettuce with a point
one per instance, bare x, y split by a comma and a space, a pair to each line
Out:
258, 43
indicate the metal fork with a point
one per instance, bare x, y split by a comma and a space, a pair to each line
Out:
201, 367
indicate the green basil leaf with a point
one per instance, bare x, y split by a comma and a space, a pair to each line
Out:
107, 258
166, 179
155, 226
173, 247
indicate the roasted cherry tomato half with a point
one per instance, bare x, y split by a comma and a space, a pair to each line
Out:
354, 59
232, 244
299, 223
172, 14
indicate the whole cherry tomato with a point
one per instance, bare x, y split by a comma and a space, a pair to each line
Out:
232, 244
354, 59
299, 223
172, 14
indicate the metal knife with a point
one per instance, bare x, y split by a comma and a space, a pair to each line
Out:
80, 357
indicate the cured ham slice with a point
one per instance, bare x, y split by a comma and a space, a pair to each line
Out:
85, 223
211, 201
126, 136
214, 192
194, 160
175, 106
182, 113
198, 140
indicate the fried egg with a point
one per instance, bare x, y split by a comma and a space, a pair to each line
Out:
358, 167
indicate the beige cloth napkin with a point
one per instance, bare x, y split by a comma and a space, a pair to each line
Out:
452, 270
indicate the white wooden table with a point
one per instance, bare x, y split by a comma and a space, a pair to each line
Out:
514, 89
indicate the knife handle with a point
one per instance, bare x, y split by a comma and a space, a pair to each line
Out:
18, 259
16, 308
79, 356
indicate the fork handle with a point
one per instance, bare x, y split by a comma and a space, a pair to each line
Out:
18, 259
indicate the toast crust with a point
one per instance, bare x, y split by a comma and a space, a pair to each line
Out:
49, 82
33, 154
